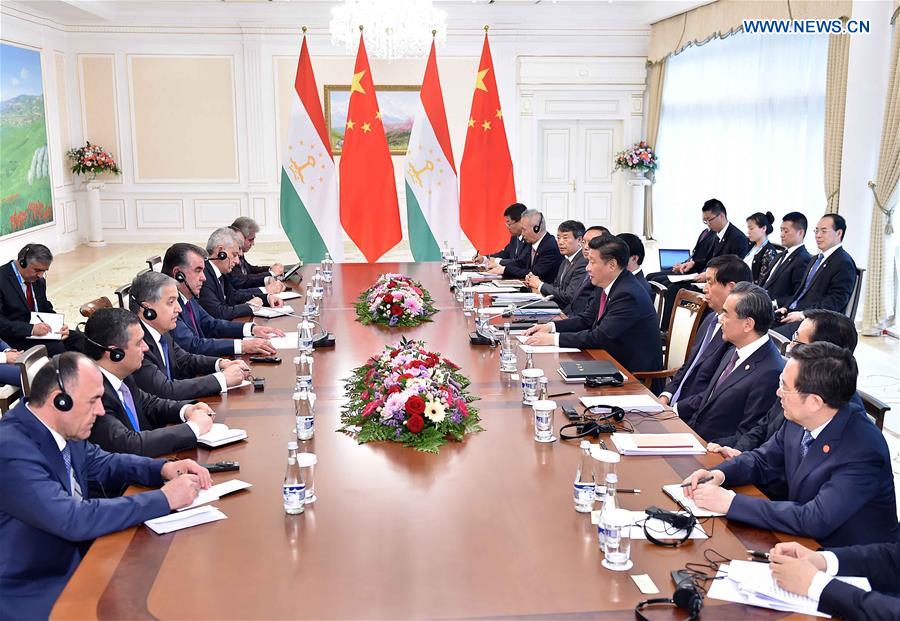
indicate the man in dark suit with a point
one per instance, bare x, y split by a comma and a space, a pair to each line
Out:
834, 459
828, 281
242, 276
217, 295
47, 517
167, 370
810, 573
9, 372
23, 290
197, 331
570, 274
621, 318
516, 248
584, 293
543, 256
136, 422
636, 254
742, 388
693, 378
720, 237
255, 274
787, 273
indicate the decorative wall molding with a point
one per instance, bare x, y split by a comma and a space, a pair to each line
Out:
258, 209
112, 213
70, 214
212, 213
159, 213
625, 70
116, 179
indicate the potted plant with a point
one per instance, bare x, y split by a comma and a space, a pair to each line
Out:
639, 159
92, 160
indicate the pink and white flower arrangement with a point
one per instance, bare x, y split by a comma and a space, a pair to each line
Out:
639, 156
395, 300
92, 159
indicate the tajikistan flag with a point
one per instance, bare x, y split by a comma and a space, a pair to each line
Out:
432, 196
309, 188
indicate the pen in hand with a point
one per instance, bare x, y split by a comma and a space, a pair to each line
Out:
705, 479
761, 557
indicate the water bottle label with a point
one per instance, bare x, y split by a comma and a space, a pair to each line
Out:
294, 495
305, 423
304, 381
584, 493
543, 418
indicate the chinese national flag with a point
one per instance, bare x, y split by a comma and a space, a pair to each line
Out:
369, 210
486, 184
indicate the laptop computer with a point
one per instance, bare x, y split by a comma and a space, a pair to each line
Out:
670, 256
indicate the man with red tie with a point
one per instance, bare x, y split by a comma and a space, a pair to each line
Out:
23, 291
620, 318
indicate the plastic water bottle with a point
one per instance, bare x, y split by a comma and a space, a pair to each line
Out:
543, 388
327, 268
304, 411
304, 365
318, 289
508, 358
609, 503
529, 360
468, 296
305, 334
583, 491
445, 252
293, 490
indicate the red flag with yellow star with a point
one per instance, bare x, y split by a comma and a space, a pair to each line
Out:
486, 185
369, 210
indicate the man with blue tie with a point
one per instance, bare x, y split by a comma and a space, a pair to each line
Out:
742, 388
136, 422
47, 516
197, 331
9, 372
722, 274
830, 279
834, 459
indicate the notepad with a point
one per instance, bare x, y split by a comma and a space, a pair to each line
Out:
288, 295
217, 491
648, 444
288, 341
681, 277
676, 493
267, 312
220, 435
54, 320
177, 521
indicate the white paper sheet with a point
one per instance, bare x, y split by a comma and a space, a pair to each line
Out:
217, 491
625, 443
221, 434
267, 312
288, 341
681, 277
54, 320
676, 493
177, 521
288, 295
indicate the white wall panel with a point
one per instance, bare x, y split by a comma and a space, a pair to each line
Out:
160, 213
212, 213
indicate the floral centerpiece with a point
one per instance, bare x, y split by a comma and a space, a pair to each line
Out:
410, 395
639, 157
92, 160
395, 300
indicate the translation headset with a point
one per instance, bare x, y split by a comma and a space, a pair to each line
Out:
116, 354
62, 402
180, 277
148, 313
687, 596
678, 521
537, 227
593, 426
222, 255
23, 256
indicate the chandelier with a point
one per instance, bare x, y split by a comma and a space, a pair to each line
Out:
391, 28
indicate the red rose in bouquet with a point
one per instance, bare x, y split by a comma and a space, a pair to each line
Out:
415, 405
388, 299
393, 389
392, 284
396, 309
415, 424
462, 407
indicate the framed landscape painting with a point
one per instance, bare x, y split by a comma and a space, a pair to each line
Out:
26, 197
398, 109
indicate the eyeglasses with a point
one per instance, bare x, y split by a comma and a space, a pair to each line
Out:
795, 340
817, 231
785, 391
708, 220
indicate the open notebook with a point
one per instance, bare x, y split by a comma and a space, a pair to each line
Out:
220, 435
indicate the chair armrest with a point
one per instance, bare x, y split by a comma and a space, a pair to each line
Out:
647, 377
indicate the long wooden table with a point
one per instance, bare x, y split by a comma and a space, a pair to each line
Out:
486, 528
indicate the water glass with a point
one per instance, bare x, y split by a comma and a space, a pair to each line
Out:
460, 285
605, 462
307, 463
543, 420
617, 545
530, 380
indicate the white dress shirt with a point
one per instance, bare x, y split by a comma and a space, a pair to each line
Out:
116, 383
822, 578
220, 377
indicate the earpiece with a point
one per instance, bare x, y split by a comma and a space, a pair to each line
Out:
148, 313
62, 402
222, 255
537, 227
687, 596
180, 277
116, 354
23, 256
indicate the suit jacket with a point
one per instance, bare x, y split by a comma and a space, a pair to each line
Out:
9, 373
512, 251
191, 373
569, 280
113, 431
841, 494
628, 329
788, 276
222, 300
698, 380
880, 563
581, 297
545, 264
726, 413
44, 530
709, 246
210, 336
644, 283
763, 261
832, 284
14, 312
246, 276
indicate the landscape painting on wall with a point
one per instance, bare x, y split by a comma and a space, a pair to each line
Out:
398, 110
25, 189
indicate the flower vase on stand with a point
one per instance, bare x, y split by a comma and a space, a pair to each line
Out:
95, 221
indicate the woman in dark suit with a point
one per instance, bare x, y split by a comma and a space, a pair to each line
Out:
762, 254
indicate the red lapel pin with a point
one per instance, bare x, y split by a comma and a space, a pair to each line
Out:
826, 449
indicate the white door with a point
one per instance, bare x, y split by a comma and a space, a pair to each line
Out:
576, 180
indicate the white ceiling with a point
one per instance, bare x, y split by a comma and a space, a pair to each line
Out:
462, 14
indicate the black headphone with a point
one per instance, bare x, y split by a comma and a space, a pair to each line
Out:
23, 256
537, 227
62, 402
688, 596
678, 521
221, 256
148, 313
594, 426
116, 354
180, 277
615, 412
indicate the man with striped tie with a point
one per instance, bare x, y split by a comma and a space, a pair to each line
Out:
135, 421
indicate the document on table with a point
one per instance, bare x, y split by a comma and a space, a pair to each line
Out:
657, 528
643, 403
544, 349
516, 298
241, 385
488, 289
267, 312
676, 493
746, 582
657, 444
681, 277
217, 491
177, 521
288, 341
220, 435
288, 295
54, 320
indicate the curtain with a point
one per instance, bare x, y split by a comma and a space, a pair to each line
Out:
879, 303
655, 78
835, 105
741, 124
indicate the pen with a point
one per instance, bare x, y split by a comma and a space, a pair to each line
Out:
41, 319
761, 557
560, 394
628, 491
705, 479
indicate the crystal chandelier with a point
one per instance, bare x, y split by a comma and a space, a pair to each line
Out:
391, 28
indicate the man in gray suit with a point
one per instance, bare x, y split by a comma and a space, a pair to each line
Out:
570, 275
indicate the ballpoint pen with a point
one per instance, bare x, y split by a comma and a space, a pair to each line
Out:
705, 479
760, 557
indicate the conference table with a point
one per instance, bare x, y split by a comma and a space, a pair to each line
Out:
484, 529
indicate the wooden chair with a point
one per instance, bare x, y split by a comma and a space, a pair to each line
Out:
853, 303
659, 299
87, 309
123, 291
9, 397
781, 342
687, 314
30, 362
875, 408
155, 263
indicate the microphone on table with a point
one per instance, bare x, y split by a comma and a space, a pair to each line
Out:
509, 310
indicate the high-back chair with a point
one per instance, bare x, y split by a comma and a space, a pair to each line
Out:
30, 362
88, 308
687, 314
